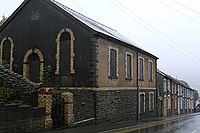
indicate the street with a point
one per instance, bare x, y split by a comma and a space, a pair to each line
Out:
184, 125
175, 124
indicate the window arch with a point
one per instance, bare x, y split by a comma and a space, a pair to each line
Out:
11, 47
61, 37
26, 70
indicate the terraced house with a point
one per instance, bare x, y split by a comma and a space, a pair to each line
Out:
83, 54
175, 97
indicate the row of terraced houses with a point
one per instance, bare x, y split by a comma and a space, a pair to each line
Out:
118, 78
174, 96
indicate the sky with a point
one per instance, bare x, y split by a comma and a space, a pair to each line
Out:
168, 29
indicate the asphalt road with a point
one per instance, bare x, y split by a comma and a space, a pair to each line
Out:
176, 124
183, 125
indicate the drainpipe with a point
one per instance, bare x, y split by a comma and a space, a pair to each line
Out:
138, 96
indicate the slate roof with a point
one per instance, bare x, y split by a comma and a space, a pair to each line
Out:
95, 25
181, 82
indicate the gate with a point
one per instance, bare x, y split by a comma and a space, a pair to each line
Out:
57, 111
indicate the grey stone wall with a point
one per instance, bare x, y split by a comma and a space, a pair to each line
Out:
20, 119
27, 88
13, 80
116, 105
148, 114
84, 108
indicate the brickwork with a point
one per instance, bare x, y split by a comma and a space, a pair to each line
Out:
20, 119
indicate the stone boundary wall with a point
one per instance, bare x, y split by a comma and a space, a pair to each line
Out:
20, 119
84, 108
116, 105
12, 80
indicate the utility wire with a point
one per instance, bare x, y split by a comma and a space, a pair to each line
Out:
186, 7
150, 29
74, 1
158, 31
179, 12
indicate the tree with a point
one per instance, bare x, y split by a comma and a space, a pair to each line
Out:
3, 20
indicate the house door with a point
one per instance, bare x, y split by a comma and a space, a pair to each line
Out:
34, 67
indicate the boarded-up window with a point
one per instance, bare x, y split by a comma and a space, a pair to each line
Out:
34, 67
142, 103
113, 63
128, 66
150, 71
65, 54
141, 69
151, 101
6, 53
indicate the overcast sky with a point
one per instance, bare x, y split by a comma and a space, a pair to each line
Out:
168, 29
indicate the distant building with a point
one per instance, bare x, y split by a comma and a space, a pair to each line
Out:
81, 53
174, 96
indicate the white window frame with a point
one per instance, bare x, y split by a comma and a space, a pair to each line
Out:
117, 60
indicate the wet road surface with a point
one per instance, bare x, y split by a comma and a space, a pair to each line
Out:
184, 125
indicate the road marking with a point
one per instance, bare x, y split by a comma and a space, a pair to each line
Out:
194, 131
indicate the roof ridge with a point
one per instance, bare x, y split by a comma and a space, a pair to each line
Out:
83, 15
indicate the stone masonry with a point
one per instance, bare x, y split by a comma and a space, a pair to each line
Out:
21, 119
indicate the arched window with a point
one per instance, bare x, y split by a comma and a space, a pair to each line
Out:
33, 65
6, 52
65, 52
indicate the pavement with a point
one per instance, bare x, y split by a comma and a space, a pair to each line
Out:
120, 126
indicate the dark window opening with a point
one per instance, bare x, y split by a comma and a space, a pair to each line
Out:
65, 51
141, 69
113, 63
150, 71
34, 67
129, 67
6, 53
142, 103
151, 102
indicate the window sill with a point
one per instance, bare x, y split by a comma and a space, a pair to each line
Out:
141, 79
129, 79
112, 78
